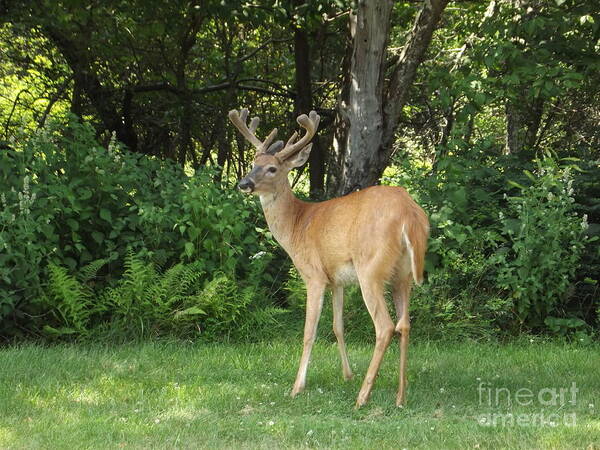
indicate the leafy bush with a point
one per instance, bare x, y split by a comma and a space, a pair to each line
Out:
544, 242
26, 241
505, 246
67, 202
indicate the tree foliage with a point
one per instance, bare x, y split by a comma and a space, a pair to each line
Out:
114, 142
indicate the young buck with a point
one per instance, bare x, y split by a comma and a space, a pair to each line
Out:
372, 236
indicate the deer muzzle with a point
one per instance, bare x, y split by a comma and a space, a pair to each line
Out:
246, 185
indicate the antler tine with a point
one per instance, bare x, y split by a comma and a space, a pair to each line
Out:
254, 124
310, 123
274, 147
267, 142
238, 118
292, 138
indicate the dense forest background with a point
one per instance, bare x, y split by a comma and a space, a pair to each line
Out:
119, 216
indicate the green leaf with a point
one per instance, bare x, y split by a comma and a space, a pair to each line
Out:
189, 249
73, 224
85, 194
192, 311
98, 237
515, 184
58, 331
106, 215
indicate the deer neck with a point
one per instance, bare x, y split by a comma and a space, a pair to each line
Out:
281, 209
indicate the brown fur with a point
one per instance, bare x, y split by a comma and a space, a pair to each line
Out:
373, 236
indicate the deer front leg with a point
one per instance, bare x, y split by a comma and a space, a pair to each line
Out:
338, 329
314, 304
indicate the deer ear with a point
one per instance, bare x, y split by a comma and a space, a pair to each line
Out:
300, 158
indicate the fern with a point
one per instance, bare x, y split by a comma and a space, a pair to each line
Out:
70, 299
86, 273
147, 302
138, 274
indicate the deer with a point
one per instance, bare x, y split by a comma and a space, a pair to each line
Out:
375, 236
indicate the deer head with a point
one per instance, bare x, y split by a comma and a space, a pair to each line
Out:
273, 160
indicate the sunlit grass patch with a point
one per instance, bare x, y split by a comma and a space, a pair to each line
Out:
172, 395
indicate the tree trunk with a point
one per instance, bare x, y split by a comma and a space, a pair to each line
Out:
373, 110
303, 104
523, 120
514, 129
341, 126
364, 111
523, 113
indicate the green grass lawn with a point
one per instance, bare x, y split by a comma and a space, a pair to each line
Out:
174, 395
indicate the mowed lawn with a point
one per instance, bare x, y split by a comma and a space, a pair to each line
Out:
192, 395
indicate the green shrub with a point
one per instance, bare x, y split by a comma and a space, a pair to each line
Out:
505, 249
544, 242
26, 241
67, 202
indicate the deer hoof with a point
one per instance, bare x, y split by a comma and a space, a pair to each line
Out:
400, 400
296, 391
361, 401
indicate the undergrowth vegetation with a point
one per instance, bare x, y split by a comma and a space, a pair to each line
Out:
101, 243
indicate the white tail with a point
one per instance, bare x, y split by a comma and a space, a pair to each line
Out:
373, 236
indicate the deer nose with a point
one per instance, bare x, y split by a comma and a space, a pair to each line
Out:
246, 184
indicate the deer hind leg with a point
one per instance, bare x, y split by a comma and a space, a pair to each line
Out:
338, 328
401, 295
373, 296
314, 305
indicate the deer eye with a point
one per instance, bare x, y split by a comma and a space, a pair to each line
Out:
272, 169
